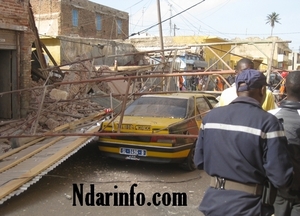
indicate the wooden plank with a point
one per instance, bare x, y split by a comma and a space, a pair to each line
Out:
132, 68
58, 129
51, 57
14, 151
37, 41
80, 121
31, 154
10, 121
16, 183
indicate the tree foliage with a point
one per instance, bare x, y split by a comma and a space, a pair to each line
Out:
272, 19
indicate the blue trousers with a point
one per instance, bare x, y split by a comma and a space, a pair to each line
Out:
287, 207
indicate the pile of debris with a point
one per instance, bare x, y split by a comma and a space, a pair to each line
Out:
68, 102
51, 106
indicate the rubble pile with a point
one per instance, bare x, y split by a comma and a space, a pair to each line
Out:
70, 102
61, 104
51, 106
103, 86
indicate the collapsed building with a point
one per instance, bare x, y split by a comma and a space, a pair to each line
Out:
68, 73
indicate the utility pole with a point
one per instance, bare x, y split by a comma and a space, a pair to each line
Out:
170, 23
160, 29
270, 64
175, 28
161, 41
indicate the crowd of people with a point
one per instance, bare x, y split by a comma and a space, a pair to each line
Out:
276, 85
250, 146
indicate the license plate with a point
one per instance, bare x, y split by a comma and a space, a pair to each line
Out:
132, 151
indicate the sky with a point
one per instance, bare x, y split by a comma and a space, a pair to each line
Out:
226, 19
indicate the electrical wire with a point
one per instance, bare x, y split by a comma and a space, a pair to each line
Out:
210, 13
145, 6
166, 19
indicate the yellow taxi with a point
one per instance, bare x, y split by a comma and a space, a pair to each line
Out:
153, 126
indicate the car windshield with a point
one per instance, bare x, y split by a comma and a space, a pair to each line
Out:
212, 101
158, 107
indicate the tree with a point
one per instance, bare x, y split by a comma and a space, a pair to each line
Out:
272, 19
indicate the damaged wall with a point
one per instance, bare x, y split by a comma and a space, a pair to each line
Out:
55, 17
193, 42
71, 48
14, 19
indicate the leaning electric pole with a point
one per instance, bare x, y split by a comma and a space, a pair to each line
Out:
170, 23
160, 27
161, 39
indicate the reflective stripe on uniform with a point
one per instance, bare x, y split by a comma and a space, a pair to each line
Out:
245, 129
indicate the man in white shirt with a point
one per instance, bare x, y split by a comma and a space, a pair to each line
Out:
229, 94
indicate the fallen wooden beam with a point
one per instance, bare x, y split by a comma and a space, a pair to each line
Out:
30, 174
132, 68
25, 142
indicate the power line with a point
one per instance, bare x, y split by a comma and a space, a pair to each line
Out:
194, 17
167, 19
133, 5
145, 6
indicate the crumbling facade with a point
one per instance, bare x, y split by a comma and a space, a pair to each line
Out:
16, 38
263, 50
194, 42
80, 27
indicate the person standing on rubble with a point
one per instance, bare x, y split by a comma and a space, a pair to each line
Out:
229, 94
287, 202
241, 146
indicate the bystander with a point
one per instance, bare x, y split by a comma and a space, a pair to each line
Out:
241, 151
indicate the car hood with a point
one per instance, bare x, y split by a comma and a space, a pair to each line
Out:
134, 123
154, 121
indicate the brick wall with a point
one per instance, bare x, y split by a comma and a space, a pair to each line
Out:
14, 12
45, 6
48, 9
14, 16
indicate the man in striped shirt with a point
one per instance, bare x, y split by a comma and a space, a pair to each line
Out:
241, 146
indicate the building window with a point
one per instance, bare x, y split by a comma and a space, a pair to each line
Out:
119, 26
98, 22
75, 17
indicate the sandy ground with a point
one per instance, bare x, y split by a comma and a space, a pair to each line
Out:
53, 194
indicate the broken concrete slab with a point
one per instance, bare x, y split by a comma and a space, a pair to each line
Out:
57, 94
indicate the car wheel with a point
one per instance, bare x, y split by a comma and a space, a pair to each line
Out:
189, 164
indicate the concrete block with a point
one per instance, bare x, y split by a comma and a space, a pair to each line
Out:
51, 123
57, 94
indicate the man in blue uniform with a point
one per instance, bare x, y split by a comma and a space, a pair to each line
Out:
240, 146
287, 202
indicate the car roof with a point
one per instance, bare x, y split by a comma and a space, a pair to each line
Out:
185, 95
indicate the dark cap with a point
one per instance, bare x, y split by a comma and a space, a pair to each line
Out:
252, 78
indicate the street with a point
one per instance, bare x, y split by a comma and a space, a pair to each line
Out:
99, 182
